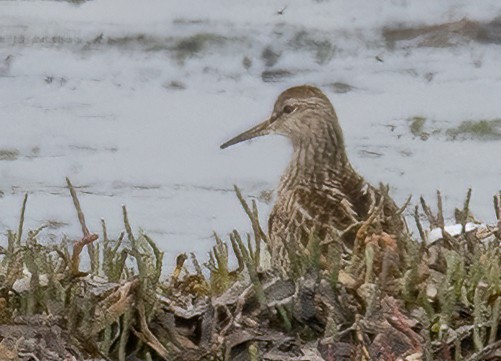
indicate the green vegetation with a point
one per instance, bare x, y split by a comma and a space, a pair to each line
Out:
386, 295
9, 154
417, 125
480, 129
469, 129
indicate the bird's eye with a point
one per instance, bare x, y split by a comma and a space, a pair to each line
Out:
288, 109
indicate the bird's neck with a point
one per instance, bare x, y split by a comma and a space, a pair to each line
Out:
321, 161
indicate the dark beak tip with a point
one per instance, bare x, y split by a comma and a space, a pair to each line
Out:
225, 145
254, 132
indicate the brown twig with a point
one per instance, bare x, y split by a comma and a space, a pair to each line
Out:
419, 225
196, 264
114, 306
180, 259
481, 355
76, 202
440, 214
21, 221
77, 250
150, 338
441, 223
466, 211
404, 206
497, 207
429, 214
88, 237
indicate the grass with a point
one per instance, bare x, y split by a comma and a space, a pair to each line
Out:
422, 300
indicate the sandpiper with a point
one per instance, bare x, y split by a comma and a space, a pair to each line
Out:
320, 191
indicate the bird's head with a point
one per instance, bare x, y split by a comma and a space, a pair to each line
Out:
304, 114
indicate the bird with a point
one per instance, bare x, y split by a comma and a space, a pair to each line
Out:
320, 192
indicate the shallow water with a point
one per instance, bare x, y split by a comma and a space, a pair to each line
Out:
132, 106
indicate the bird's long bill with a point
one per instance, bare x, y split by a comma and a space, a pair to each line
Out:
257, 131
